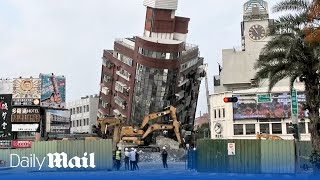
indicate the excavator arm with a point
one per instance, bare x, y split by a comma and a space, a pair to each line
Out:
149, 117
104, 123
175, 126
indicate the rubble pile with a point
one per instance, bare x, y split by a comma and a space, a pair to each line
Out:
175, 154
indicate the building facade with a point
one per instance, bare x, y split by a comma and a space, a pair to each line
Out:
247, 117
147, 73
83, 114
242, 120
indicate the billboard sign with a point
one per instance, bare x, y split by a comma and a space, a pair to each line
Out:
25, 114
21, 144
5, 116
278, 108
6, 86
26, 92
53, 91
58, 121
5, 144
25, 127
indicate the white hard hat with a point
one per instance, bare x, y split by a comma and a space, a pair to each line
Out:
164, 148
132, 148
135, 150
119, 148
126, 149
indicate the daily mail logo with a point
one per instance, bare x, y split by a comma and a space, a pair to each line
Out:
56, 160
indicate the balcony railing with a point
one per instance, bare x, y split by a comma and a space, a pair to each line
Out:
123, 76
126, 43
189, 48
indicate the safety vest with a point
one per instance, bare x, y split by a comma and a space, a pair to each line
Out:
118, 155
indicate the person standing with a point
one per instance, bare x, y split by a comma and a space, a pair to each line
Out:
164, 155
132, 159
137, 159
118, 158
126, 159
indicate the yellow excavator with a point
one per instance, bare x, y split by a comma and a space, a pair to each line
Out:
110, 126
137, 136
132, 136
268, 136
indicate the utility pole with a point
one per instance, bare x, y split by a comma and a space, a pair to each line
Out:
295, 122
207, 94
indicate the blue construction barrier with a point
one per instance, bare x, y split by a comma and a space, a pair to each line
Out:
192, 159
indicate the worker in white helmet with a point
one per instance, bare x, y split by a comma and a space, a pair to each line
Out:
126, 158
132, 159
164, 155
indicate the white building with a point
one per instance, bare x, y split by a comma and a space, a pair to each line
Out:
83, 114
228, 123
236, 79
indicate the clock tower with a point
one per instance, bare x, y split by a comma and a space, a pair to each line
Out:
255, 25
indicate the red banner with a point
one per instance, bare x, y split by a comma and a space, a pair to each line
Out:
21, 144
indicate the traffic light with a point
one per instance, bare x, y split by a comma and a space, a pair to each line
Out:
230, 99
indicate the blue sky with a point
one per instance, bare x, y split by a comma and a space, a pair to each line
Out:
68, 37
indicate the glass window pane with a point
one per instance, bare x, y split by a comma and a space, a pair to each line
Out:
302, 128
276, 128
238, 129
290, 129
264, 128
250, 129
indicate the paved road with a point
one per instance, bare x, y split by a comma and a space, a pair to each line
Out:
150, 171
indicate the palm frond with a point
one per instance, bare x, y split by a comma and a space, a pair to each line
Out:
290, 22
291, 5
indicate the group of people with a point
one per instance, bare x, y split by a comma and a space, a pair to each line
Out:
131, 159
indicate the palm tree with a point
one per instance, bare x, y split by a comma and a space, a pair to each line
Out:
294, 52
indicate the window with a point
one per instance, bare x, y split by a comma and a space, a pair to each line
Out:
77, 110
118, 100
219, 115
80, 122
72, 123
88, 109
264, 128
215, 113
223, 113
250, 129
188, 64
88, 122
290, 128
276, 128
120, 87
238, 129
80, 109
302, 128
77, 123
123, 58
74, 110
124, 74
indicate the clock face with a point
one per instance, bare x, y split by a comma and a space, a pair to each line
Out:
217, 128
257, 32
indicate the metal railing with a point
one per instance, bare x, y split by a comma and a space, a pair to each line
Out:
124, 43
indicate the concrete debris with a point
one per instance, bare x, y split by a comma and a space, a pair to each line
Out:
167, 142
175, 154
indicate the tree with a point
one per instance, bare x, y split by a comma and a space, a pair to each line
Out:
203, 131
294, 52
